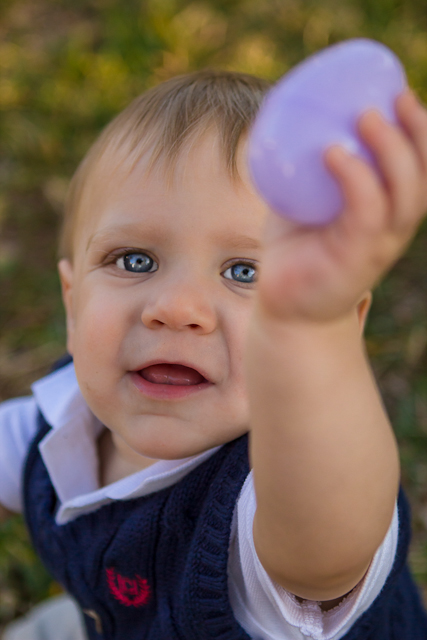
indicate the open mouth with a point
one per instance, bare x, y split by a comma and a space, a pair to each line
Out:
167, 381
172, 374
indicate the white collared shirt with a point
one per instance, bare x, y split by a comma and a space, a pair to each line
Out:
264, 609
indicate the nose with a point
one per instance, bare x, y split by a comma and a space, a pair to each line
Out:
180, 305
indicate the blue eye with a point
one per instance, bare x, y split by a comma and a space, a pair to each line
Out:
241, 272
136, 262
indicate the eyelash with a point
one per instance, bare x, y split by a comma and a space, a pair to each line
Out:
114, 260
244, 263
140, 262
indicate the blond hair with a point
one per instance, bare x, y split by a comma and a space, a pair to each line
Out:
166, 118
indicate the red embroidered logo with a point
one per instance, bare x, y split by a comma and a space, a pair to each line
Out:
132, 592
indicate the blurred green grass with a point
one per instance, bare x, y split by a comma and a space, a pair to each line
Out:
67, 67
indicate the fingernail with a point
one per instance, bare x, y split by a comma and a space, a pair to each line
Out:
338, 153
373, 114
412, 96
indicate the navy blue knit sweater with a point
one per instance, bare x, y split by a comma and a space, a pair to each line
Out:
155, 567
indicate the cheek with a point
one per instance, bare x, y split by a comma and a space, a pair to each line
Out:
237, 329
98, 336
99, 326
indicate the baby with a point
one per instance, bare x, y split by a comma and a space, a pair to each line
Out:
195, 316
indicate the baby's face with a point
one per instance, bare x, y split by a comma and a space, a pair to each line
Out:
158, 301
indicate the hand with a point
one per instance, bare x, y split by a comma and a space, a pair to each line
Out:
319, 274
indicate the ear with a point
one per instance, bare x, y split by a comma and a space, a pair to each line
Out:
363, 307
65, 269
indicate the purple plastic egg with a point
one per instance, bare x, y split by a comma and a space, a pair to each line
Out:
315, 106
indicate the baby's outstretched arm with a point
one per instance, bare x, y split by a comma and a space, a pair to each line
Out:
325, 459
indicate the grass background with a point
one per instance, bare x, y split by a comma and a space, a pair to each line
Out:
68, 66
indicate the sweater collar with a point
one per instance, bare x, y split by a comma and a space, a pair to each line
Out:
69, 452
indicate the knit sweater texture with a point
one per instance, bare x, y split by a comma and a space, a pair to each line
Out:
155, 567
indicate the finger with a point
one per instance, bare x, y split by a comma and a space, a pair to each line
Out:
364, 194
365, 222
399, 167
413, 118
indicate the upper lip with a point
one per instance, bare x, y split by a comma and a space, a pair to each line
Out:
183, 363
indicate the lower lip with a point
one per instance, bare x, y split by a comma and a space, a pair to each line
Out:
166, 391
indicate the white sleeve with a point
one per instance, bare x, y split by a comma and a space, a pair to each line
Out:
268, 612
18, 426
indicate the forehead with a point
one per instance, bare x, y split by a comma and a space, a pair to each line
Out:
198, 194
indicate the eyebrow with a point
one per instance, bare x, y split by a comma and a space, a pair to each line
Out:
224, 239
125, 230
237, 241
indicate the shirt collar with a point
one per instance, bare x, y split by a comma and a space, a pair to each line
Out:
70, 453
59, 398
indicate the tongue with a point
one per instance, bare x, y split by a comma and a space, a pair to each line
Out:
171, 374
